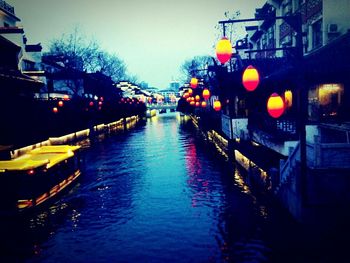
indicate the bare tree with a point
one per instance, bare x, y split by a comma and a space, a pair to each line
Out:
196, 66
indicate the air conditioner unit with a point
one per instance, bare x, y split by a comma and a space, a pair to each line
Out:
332, 29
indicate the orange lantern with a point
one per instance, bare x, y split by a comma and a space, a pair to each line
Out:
66, 97
188, 99
206, 94
55, 110
60, 103
217, 105
197, 98
224, 50
250, 78
198, 104
186, 95
275, 105
192, 103
194, 83
190, 91
204, 104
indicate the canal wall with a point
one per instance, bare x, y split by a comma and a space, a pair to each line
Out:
120, 125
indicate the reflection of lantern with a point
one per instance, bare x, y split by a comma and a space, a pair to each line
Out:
206, 94
224, 50
288, 98
250, 78
194, 83
198, 98
60, 103
198, 104
217, 105
55, 110
275, 105
204, 104
190, 91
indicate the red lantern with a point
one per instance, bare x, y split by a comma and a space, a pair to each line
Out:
194, 83
55, 110
204, 104
192, 103
250, 78
91, 103
224, 50
198, 104
197, 98
66, 97
217, 105
60, 103
206, 94
275, 105
188, 99
186, 95
190, 91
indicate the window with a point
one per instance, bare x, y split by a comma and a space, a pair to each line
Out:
317, 34
325, 101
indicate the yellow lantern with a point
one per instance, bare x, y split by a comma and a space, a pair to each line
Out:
194, 83
206, 94
275, 105
197, 98
204, 104
217, 105
224, 50
250, 78
288, 98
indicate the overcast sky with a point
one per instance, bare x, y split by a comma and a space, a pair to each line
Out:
153, 37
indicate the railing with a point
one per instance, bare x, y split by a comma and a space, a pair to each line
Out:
162, 106
281, 129
5, 6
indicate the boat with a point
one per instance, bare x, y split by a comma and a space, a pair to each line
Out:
32, 179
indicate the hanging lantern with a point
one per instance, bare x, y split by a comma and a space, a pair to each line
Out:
206, 94
55, 110
60, 103
197, 98
66, 97
91, 103
217, 105
188, 99
186, 95
275, 105
194, 83
198, 103
288, 98
224, 50
192, 103
190, 91
204, 104
250, 78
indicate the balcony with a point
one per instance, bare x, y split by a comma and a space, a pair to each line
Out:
7, 8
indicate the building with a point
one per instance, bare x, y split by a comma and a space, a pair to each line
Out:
307, 66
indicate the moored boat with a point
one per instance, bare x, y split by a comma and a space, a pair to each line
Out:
35, 177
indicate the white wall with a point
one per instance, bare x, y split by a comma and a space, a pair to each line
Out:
335, 12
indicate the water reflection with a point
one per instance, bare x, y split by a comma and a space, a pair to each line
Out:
156, 194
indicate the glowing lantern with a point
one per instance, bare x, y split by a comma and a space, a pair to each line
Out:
91, 103
194, 83
204, 104
66, 97
55, 110
186, 95
288, 98
190, 91
206, 94
197, 98
224, 50
60, 103
217, 105
100, 103
250, 78
275, 105
198, 104
192, 103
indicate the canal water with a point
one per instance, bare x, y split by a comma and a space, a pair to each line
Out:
159, 193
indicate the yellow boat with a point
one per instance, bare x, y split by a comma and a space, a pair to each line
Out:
37, 176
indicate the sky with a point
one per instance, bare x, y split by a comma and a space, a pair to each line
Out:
152, 37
